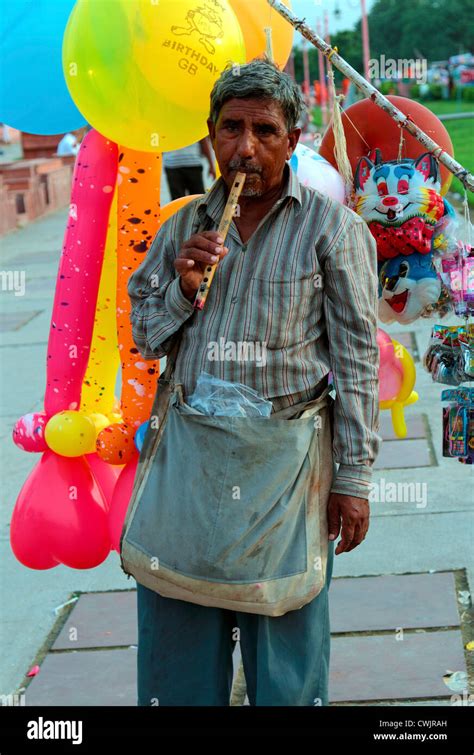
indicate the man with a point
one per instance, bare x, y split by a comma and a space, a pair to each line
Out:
298, 273
183, 168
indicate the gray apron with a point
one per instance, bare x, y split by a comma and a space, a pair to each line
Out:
231, 512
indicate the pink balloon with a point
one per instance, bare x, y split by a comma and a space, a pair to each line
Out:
390, 369
120, 501
60, 516
79, 272
106, 475
28, 433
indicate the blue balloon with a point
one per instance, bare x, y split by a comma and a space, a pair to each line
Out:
140, 435
33, 93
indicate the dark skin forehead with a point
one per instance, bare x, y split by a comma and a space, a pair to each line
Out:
256, 110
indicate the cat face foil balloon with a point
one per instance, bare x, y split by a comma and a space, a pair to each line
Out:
400, 202
408, 287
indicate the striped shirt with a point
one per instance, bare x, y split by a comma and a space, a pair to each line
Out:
186, 157
301, 293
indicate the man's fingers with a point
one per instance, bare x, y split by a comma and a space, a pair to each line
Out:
334, 521
198, 255
347, 535
207, 240
183, 266
359, 535
352, 536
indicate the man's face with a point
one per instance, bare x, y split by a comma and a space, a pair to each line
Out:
251, 137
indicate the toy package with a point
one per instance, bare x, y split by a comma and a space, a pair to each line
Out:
450, 354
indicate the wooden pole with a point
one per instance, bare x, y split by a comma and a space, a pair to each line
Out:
322, 82
365, 39
466, 178
328, 64
306, 72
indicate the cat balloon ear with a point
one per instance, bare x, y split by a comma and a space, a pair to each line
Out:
376, 156
363, 170
427, 165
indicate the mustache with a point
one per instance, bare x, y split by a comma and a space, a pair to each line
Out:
245, 167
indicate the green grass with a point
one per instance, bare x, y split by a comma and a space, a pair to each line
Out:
441, 107
460, 132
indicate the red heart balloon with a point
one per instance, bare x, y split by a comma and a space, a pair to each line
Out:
106, 475
120, 501
60, 516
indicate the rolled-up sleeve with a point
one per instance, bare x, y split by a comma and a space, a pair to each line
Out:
158, 305
350, 304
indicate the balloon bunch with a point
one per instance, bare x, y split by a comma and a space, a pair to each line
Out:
84, 429
140, 73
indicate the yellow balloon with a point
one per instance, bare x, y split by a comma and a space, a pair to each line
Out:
406, 395
182, 47
97, 394
115, 418
70, 433
100, 421
409, 372
254, 16
111, 58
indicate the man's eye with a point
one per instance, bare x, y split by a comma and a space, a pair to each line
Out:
265, 130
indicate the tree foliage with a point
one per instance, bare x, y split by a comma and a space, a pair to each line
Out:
403, 29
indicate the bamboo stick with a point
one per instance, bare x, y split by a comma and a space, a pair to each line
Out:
466, 178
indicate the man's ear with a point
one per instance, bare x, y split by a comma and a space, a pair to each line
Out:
212, 130
293, 137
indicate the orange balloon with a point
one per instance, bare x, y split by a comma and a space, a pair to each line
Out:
253, 17
169, 209
367, 126
115, 444
138, 207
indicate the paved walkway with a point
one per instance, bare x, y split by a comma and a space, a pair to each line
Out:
395, 637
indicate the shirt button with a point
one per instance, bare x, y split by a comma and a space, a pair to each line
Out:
233, 300
244, 248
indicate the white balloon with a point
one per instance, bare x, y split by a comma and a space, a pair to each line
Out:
314, 171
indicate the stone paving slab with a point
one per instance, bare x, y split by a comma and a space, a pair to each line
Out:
16, 320
408, 454
89, 677
381, 603
416, 427
103, 619
33, 257
379, 667
41, 286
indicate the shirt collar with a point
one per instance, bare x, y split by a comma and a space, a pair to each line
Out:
213, 202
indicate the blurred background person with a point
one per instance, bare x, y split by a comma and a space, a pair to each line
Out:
183, 168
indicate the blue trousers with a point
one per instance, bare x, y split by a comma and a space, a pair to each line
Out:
185, 652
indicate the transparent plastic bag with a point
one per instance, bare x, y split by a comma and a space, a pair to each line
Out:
222, 398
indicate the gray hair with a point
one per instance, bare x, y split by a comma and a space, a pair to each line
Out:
259, 79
